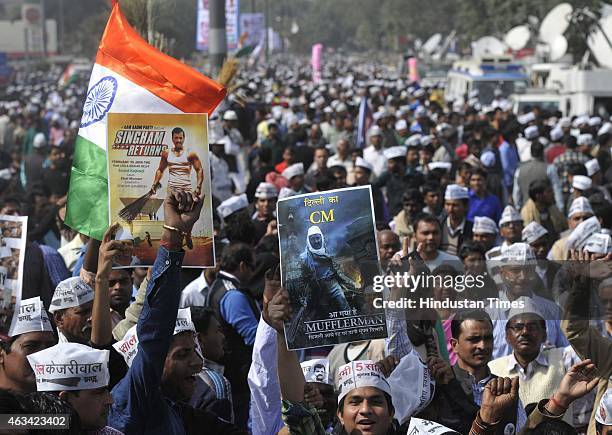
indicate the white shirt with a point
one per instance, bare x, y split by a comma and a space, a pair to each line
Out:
194, 294
526, 373
444, 258
376, 158
265, 410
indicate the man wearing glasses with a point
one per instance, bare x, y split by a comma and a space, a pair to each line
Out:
517, 264
540, 369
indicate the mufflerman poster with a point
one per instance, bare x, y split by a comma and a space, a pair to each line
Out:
329, 258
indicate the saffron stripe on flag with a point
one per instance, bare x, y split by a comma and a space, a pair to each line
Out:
129, 76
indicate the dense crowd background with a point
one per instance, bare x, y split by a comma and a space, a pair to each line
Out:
523, 199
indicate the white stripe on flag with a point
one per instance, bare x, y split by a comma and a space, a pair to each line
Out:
130, 98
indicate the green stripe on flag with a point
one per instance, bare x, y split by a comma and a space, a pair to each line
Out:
244, 51
87, 210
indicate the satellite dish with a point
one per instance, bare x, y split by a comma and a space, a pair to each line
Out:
432, 43
555, 22
599, 45
558, 48
488, 45
517, 37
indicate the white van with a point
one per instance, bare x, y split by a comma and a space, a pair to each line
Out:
485, 75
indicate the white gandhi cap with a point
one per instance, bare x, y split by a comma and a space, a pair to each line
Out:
533, 231
70, 366
455, 191
484, 225
29, 316
293, 171
232, 205
357, 374
71, 292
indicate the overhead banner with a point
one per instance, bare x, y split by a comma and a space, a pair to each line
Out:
317, 52
254, 27
232, 24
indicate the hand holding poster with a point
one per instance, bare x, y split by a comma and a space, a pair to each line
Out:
328, 263
150, 154
13, 235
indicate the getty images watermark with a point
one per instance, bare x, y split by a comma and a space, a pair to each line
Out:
448, 284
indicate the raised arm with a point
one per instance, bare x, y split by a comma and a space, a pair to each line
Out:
101, 326
577, 382
140, 389
290, 374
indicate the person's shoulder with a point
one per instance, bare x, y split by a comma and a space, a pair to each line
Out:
195, 286
495, 365
448, 257
556, 353
234, 296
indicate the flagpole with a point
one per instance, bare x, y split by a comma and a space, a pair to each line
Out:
150, 22
217, 39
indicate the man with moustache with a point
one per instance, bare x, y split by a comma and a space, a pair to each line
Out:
266, 196
388, 245
538, 238
455, 228
472, 342
519, 279
540, 370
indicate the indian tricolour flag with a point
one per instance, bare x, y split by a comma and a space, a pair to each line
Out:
129, 76
68, 76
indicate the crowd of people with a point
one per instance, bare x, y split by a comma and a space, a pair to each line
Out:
520, 200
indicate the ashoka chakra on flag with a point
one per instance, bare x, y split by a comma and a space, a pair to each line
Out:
99, 100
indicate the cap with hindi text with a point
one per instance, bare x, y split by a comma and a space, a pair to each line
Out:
533, 231
582, 232
70, 366
71, 292
580, 205
396, 152
266, 190
484, 225
455, 191
357, 374
581, 182
510, 215
29, 316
